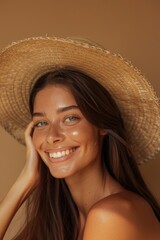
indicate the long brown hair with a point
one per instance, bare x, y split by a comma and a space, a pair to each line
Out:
51, 212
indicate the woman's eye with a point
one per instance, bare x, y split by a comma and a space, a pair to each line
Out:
40, 124
71, 119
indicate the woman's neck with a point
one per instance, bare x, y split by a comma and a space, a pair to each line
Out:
90, 187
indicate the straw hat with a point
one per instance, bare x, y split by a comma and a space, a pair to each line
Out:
22, 62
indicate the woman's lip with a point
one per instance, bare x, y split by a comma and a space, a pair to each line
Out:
61, 149
63, 158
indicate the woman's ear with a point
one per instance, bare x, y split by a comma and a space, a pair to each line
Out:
103, 132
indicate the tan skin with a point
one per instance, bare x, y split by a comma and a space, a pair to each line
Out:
70, 146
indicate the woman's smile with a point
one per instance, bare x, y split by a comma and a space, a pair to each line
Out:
60, 155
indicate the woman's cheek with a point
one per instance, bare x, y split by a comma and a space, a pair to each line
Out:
75, 133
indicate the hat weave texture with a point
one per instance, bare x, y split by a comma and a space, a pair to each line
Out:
23, 62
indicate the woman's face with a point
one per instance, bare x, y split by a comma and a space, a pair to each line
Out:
67, 143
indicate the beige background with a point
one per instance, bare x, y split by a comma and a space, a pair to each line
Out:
128, 27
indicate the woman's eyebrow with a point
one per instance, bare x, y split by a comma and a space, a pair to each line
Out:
61, 109
38, 114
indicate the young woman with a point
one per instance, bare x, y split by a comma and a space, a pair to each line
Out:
83, 143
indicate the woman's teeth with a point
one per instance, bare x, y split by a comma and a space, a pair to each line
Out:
62, 153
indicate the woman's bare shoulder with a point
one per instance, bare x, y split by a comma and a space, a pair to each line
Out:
124, 216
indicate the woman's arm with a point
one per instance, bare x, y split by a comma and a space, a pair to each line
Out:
24, 185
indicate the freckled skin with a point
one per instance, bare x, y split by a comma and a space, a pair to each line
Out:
58, 133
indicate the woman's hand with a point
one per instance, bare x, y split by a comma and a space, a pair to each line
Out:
32, 165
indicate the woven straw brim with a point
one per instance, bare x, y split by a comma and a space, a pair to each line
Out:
23, 62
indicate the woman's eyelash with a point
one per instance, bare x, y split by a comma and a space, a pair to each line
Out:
69, 119
40, 124
72, 118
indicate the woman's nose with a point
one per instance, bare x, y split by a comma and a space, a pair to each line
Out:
55, 134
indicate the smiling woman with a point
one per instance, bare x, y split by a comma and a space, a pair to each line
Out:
60, 131
86, 114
